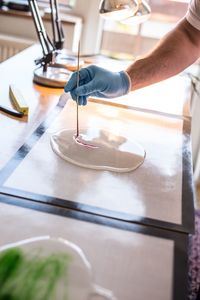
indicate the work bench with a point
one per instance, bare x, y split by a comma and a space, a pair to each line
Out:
133, 227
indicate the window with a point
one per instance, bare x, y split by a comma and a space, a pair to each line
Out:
171, 10
139, 39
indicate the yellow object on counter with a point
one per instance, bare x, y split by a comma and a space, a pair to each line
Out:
18, 100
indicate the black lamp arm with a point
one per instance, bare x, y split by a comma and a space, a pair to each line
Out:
46, 44
58, 34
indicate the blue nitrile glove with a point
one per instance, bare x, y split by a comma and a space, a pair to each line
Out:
97, 82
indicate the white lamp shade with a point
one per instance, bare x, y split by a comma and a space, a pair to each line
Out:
117, 9
141, 15
125, 11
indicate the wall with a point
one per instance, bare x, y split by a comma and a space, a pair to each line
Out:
85, 10
23, 27
132, 44
92, 25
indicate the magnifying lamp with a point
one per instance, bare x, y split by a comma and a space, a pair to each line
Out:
140, 15
125, 11
46, 74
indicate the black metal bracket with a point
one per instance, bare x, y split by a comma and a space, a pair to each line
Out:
47, 46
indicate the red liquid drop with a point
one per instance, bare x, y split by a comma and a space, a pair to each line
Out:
78, 141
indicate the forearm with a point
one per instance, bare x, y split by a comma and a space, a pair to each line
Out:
176, 51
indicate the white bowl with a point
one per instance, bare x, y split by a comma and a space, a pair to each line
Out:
77, 283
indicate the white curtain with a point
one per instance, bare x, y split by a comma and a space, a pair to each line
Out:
195, 111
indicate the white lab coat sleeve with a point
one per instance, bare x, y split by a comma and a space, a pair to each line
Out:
193, 13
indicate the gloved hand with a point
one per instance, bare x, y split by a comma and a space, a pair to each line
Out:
98, 82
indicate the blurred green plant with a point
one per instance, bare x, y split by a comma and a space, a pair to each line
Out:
24, 277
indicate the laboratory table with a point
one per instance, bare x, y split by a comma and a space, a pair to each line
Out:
133, 227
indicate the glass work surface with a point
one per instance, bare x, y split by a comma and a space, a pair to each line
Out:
126, 262
151, 191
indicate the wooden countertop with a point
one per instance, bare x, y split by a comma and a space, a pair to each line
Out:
18, 70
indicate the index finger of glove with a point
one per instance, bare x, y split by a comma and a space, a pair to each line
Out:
72, 83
